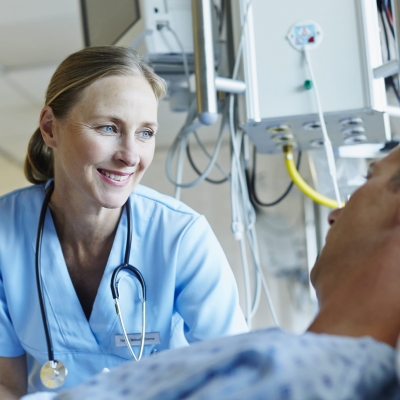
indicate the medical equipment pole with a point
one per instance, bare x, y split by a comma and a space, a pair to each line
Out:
388, 69
207, 107
396, 25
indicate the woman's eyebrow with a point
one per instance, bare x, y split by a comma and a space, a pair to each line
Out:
107, 117
153, 125
113, 118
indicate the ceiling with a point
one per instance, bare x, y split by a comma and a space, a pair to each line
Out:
36, 35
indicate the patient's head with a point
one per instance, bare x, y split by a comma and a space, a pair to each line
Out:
361, 257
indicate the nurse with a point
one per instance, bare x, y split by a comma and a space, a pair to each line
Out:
95, 140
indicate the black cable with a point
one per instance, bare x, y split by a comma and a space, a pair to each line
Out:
391, 83
379, 4
383, 9
388, 19
189, 156
385, 33
49, 342
389, 80
389, 7
222, 11
129, 233
219, 17
253, 193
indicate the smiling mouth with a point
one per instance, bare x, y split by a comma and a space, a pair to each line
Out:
118, 178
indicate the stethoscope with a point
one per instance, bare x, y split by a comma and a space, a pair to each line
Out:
54, 373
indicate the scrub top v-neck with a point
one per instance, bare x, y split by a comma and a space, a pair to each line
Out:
191, 292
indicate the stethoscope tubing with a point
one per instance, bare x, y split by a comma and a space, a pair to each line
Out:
115, 291
114, 285
42, 218
115, 294
143, 333
114, 280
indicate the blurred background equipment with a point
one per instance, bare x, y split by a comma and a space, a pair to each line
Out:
343, 43
320, 77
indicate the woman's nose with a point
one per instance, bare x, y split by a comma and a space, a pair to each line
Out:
128, 153
333, 215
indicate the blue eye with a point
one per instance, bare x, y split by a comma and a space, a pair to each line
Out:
108, 128
146, 134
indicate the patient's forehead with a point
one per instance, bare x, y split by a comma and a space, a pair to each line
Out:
392, 162
388, 168
388, 162
395, 154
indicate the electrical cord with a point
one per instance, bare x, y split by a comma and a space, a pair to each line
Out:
243, 217
182, 140
385, 33
209, 180
388, 13
252, 184
391, 83
243, 214
384, 10
180, 45
240, 221
218, 12
189, 127
327, 142
201, 145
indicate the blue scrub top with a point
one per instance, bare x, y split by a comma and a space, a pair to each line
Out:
191, 291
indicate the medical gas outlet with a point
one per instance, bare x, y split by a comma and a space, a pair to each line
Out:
343, 41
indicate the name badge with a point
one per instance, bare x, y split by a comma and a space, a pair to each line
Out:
135, 339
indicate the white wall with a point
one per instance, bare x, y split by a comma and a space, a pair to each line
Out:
11, 176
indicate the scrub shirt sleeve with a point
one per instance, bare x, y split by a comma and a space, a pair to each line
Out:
10, 345
206, 294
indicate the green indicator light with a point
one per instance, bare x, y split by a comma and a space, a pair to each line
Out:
308, 84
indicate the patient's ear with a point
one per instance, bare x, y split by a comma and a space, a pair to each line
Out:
397, 215
47, 122
394, 183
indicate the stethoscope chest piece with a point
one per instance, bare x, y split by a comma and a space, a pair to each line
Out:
53, 374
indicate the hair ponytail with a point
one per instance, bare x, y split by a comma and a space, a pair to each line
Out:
38, 167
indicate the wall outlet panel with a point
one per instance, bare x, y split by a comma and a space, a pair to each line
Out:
343, 61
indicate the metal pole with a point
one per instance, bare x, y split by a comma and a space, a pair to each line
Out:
396, 23
388, 69
229, 85
207, 107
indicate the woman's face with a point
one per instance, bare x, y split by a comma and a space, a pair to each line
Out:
106, 143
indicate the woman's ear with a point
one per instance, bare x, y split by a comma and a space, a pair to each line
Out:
46, 124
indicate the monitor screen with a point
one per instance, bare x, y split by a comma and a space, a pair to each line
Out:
105, 21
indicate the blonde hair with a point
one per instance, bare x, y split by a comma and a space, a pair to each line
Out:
74, 74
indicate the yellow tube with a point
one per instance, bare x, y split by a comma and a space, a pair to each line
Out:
301, 183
